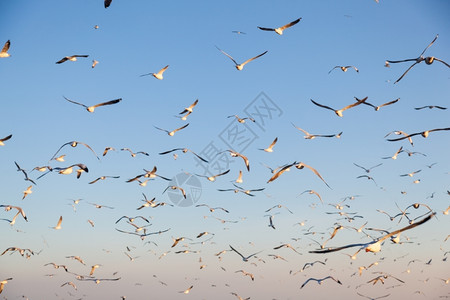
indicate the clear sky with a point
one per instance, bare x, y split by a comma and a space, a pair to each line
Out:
140, 37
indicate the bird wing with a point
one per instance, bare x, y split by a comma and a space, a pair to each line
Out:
253, 58
333, 69
358, 102
432, 42
75, 102
182, 127
62, 60
163, 70
266, 29
6, 138
169, 151
229, 56
442, 62
290, 24
321, 105
316, 172
108, 102
107, 3
6, 46
406, 71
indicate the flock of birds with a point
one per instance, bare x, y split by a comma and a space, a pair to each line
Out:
139, 225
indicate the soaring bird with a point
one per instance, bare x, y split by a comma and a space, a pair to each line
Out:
428, 60
338, 112
344, 68
244, 258
171, 133
239, 67
158, 75
93, 107
280, 30
71, 58
319, 281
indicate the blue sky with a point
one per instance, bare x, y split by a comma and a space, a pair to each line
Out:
139, 37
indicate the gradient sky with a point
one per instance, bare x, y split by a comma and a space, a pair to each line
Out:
140, 37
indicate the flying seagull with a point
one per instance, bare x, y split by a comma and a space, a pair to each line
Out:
423, 133
239, 67
158, 75
171, 133
93, 107
280, 30
74, 144
344, 68
71, 58
428, 60
338, 112
319, 281
244, 258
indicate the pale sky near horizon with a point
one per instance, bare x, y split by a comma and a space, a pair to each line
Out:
140, 37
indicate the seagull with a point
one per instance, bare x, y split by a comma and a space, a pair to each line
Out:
76, 258
375, 246
27, 192
395, 155
246, 274
301, 165
103, 178
367, 169
423, 133
339, 111
244, 258
107, 149
369, 178
280, 30
319, 281
377, 108
19, 210
107, 3
158, 75
4, 52
410, 174
236, 154
71, 58
238, 32
190, 108
213, 178
58, 226
134, 154
5, 139
74, 144
212, 209
92, 108
428, 60
270, 148
70, 283
68, 170
100, 205
187, 290
2, 284
184, 150
310, 264
286, 246
239, 67
344, 69
271, 221
174, 187
93, 268
309, 136
241, 120
132, 219
19, 169
171, 133
279, 206
313, 192
281, 171
430, 107
239, 297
